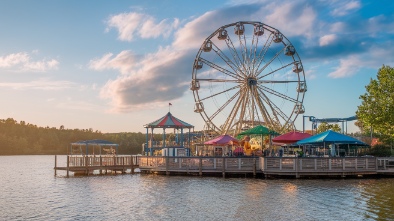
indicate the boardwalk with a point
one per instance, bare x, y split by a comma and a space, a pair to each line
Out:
269, 166
201, 165
232, 166
86, 165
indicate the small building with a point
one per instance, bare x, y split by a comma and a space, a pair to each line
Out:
168, 147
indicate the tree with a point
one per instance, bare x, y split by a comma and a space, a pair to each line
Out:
377, 108
325, 126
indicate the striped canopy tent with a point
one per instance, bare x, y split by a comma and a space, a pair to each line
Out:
108, 146
165, 122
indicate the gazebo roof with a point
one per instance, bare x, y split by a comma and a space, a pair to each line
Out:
168, 121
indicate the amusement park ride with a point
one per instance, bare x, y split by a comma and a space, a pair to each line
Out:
247, 74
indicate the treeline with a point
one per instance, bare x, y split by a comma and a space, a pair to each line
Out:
24, 138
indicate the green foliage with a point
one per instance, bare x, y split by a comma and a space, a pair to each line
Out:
377, 107
25, 138
325, 126
380, 151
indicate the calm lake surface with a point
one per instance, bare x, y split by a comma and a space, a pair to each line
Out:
30, 191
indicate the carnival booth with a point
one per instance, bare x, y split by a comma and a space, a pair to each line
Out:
173, 145
219, 146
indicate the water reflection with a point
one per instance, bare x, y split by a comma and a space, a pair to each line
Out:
30, 191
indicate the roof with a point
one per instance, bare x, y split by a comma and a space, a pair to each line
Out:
331, 137
291, 137
260, 129
95, 142
221, 140
168, 121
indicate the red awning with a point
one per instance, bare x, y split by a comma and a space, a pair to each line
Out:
291, 137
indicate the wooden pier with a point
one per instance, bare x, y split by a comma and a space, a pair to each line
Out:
319, 166
232, 166
240, 166
85, 165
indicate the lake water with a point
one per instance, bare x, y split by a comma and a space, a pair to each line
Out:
30, 191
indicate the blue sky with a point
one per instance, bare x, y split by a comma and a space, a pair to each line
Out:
115, 66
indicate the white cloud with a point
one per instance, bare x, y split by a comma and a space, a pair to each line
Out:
134, 24
347, 67
327, 39
124, 62
291, 18
22, 61
345, 8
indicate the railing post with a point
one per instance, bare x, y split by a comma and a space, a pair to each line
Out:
132, 164
355, 163
86, 165
343, 164
223, 167
329, 163
68, 164
167, 165
200, 166
55, 164
300, 160
315, 164
280, 164
366, 163
254, 167
101, 164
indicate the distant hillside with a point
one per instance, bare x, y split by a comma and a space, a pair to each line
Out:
24, 138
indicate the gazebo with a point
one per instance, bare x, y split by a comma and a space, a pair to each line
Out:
167, 148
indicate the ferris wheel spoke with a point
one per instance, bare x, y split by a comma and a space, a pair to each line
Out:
218, 80
213, 95
224, 57
274, 71
240, 65
267, 101
220, 69
223, 106
269, 90
244, 109
270, 61
263, 52
274, 107
263, 110
244, 50
233, 114
275, 82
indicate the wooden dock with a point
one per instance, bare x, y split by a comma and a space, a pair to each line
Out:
85, 165
239, 166
232, 166
319, 166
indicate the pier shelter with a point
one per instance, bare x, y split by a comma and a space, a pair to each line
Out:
167, 147
93, 147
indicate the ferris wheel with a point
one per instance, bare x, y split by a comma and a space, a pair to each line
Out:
247, 74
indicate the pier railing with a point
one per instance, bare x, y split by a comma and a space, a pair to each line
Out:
89, 161
318, 165
199, 164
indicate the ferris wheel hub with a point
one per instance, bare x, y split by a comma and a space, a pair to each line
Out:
252, 81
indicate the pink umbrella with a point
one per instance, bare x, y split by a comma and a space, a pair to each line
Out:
291, 137
221, 140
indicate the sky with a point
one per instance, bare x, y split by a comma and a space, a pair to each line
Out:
115, 66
